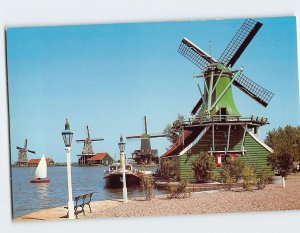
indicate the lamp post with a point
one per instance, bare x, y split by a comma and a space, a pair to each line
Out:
122, 154
67, 137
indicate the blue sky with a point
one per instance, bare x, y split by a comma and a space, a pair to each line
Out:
109, 76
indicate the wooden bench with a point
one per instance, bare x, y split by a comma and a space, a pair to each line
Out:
81, 201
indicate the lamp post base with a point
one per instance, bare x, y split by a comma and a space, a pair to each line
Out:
71, 210
125, 199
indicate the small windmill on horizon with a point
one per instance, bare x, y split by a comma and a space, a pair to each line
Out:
146, 154
22, 155
87, 151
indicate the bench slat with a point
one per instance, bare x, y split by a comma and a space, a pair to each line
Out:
81, 201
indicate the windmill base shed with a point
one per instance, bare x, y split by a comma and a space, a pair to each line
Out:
238, 142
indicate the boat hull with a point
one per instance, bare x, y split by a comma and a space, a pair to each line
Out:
39, 181
116, 180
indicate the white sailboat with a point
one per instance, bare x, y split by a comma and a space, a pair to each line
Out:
40, 175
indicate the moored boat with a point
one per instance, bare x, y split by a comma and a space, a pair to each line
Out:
114, 176
40, 175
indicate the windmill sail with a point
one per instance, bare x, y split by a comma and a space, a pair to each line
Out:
239, 42
194, 54
41, 170
257, 92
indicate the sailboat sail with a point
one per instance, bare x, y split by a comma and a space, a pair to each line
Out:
41, 170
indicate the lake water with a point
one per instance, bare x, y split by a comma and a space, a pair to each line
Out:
29, 197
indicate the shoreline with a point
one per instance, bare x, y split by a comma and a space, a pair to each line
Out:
273, 198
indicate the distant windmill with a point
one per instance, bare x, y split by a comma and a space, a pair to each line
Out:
87, 151
145, 154
22, 155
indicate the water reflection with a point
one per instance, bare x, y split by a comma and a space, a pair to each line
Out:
42, 190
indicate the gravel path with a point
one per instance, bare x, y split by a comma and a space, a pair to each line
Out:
273, 197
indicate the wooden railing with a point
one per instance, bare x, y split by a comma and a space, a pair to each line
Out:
226, 118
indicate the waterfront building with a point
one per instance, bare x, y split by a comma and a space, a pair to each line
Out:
100, 159
35, 162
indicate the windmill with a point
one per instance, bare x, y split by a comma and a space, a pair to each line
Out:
22, 155
217, 127
217, 99
87, 151
146, 154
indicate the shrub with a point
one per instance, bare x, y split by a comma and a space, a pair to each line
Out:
203, 166
249, 178
226, 179
147, 185
168, 169
262, 177
178, 190
231, 171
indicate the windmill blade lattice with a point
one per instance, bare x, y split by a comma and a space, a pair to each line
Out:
239, 42
194, 54
257, 92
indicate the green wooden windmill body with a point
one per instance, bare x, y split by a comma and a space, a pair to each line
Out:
217, 126
220, 91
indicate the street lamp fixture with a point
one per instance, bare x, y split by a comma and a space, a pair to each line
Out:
121, 145
67, 137
67, 134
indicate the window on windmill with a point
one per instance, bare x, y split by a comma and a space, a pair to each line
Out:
223, 111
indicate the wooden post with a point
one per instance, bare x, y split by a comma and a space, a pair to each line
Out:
213, 137
228, 136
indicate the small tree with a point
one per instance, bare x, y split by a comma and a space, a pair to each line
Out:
226, 179
231, 172
282, 162
286, 145
168, 169
249, 178
203, 166
147, 185
173, 130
